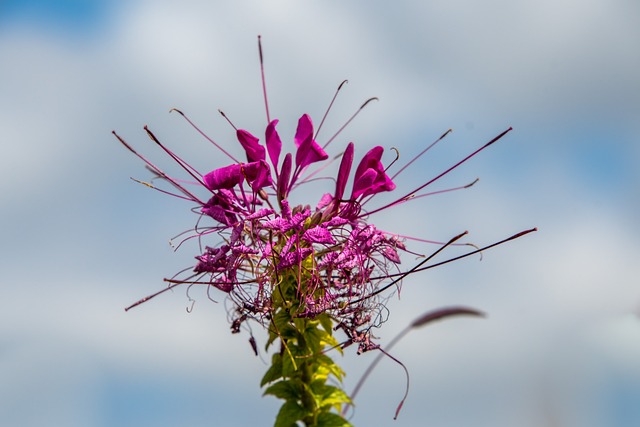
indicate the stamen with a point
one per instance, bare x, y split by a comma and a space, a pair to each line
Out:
335, 95
419, 267
227, 119
441, 174
204, 134
161, 190
157, 170
428, 317
264, 84
401, 276
188, 168
349, 121
393, 161
147, 298
421, 153
447, 190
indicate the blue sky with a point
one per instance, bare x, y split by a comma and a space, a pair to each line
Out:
81, 241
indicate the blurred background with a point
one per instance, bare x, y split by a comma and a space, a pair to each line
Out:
80, 241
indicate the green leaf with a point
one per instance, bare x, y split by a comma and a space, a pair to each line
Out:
283, 390
274, 372
328, 363
329, 419
289, 414
289, 365
326, 322
334, 396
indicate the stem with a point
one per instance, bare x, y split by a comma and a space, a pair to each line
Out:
300, 374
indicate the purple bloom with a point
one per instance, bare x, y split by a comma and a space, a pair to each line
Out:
338, 260
300, 272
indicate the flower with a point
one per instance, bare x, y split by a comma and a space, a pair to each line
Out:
338, 260
334, 254
302, 272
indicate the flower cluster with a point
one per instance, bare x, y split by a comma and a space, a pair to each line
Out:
302, 272
328, 256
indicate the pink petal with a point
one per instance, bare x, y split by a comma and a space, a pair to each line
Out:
274, 144
370, 177
255, 152
391, 254
308, 150
325, 200
225, 177
258, 174
318, 234
283, 177
343, 172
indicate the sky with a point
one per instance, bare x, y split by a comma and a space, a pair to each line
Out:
561, 341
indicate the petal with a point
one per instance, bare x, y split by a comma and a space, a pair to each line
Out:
258, 174
308, 150
325, 200
283, 177
255, 152
364, 183
274, 144
226, 177
370, 160
343, 172
370, 177
391, 254
318, 234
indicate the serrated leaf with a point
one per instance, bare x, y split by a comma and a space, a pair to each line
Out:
290, 413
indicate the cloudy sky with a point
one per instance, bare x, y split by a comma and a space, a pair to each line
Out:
80, 240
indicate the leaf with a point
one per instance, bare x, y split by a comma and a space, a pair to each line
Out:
326, 322
274, 372
282, 390
329, 419
331, 366
335, 396
289, 365
289, 414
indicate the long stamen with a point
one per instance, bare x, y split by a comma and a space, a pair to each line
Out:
188, 168
264, 83
431, 181
421, 153
418, 267
326, 113
515, 236
428, 317
147, 184
219, 147
227, 119
147, 298
349, 121
401, 276
446, 190
157, 170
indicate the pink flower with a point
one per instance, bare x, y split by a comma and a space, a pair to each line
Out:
340, 261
